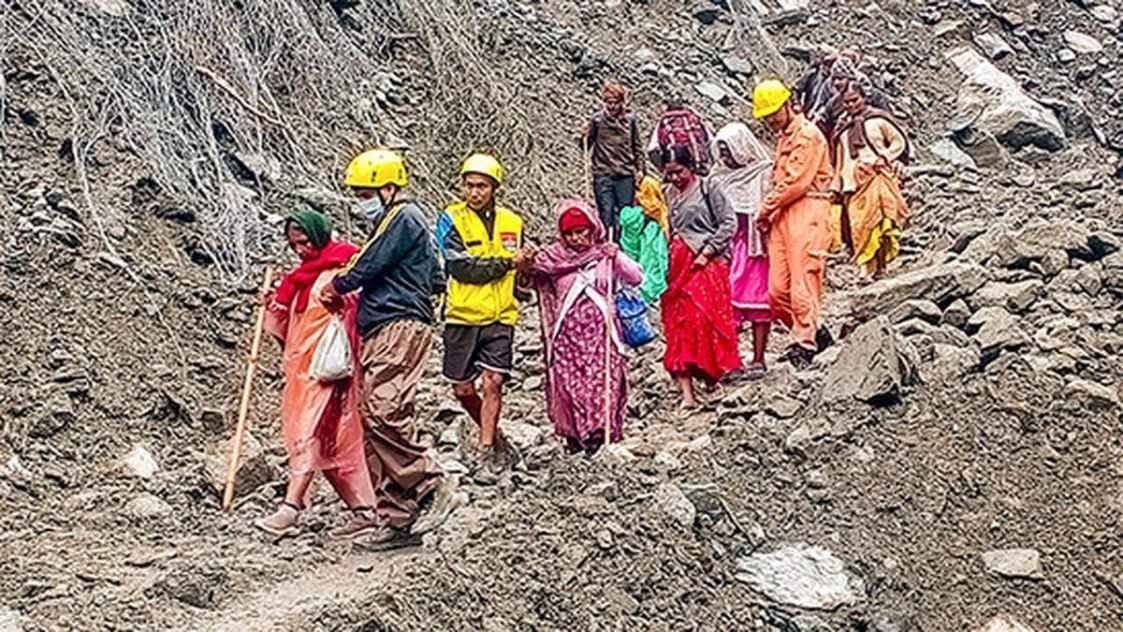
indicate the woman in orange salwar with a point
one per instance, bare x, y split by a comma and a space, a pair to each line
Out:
320, 421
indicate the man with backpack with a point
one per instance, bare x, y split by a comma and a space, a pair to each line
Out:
612, 141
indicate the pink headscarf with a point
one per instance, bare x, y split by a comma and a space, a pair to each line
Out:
556, 265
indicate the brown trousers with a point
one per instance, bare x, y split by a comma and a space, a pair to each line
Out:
401, 470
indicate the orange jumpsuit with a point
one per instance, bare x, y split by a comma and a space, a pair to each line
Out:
798, 208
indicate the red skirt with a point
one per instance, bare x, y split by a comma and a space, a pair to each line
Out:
698, 318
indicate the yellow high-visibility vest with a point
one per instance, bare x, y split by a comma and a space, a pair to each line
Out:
470, 304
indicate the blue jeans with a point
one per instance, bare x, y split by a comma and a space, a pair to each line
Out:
613, 193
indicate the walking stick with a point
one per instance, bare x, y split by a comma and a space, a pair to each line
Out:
247, 387
608, 349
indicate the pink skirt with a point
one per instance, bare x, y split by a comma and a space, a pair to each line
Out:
748, 281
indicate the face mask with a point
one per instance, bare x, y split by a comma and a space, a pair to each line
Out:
372, 208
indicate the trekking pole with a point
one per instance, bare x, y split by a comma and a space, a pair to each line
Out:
589, 170
247, 387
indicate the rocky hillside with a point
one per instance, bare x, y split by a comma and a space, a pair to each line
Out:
951, 464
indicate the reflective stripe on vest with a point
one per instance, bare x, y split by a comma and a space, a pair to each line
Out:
470, 304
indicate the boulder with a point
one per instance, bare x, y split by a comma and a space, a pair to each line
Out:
941, 284
1003, 623
1016, 297
254, 469
923, 309
1038, 238
870, 366
996, 104
1014, 563
801, 576
950, 364
996, 329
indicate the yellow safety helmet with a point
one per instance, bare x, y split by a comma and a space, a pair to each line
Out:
484, 165
768, 97
376, 168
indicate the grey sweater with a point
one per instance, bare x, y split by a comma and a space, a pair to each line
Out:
704, 227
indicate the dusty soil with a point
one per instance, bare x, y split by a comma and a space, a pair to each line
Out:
118, 340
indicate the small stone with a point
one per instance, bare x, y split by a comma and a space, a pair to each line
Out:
707, 13
139, 463
1003, 623
1016, 297
1105, 13
1014, 563
738, 66
645, 56
522, 436
1066, 56
957, 314
674, 503
947, 151
59, 415
667, 462
783, 407
533, 383
993, 45
1083, 44
10, 620
147, 506
712, 91
805, 434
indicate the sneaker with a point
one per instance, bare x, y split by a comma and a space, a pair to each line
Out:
386, 538
362, 521
282, 523
444, 500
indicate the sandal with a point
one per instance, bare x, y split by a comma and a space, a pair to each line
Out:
756, 371
283, 522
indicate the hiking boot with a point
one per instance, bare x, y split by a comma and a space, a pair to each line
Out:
360, 522
442, 502
282, 523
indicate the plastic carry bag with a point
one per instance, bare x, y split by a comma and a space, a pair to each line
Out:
631, 309
332, 360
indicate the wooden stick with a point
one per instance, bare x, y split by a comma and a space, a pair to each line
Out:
247, 387
608, 349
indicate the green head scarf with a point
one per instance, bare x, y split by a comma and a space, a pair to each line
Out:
314, 224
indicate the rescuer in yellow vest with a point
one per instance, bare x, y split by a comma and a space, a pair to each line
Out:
482, 248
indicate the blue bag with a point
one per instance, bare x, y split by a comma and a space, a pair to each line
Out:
631, 309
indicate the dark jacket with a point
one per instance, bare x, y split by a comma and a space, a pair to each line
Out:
398, 273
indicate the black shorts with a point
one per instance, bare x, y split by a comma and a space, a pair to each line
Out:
472, 349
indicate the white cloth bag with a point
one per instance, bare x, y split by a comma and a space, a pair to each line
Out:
332, 360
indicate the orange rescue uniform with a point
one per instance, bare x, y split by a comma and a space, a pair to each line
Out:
798, 209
